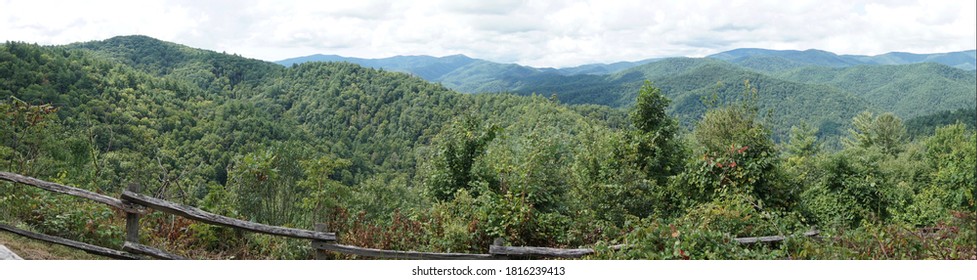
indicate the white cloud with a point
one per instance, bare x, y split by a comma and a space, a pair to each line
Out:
534, 32
60, 22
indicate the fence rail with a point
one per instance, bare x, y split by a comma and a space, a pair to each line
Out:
150, 251
409, 255
545, 252
133, 204
73, 191
96, 250
771, 239
210, 218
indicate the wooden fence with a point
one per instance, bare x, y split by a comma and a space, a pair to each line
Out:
322, 241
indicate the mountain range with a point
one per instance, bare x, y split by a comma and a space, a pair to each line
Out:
471, 75
434, 68
776, 60
812, 86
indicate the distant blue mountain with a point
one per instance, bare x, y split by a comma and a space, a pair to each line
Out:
964, 59
779, 60
438, 66
602, 68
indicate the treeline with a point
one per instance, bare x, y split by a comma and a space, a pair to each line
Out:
391, 161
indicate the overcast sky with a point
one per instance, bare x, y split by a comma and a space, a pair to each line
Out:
537, 33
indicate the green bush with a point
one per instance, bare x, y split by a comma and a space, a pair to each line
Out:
849, 187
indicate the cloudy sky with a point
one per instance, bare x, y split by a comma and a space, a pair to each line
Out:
531, 32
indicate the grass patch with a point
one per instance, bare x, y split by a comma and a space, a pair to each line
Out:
30, 249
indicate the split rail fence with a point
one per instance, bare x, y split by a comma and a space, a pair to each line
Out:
322, 241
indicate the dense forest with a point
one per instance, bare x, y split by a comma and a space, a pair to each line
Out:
389, 160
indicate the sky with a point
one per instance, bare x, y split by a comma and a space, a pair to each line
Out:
529, 32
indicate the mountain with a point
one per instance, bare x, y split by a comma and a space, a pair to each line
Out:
814, 86
962, 59
602, 68
427, 67
909, 90
470, 75
457, 72
466, 74
808, 57
207, 69
434, 68
826, 97
779, 60
688, 81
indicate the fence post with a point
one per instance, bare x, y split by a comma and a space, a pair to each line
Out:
319, 253
132, 219
497, 242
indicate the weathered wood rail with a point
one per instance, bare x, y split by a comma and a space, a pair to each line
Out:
135, 204
214, 219
409, 255
544, 252
772, 239
92, 249
150, 251
73, 191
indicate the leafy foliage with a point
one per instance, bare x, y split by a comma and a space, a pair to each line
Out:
457, 158
738, 156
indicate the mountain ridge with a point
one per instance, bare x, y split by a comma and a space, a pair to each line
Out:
900, 82
814, 56
472, 75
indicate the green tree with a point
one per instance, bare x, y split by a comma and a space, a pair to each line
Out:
952, 152
254, 179
464, 142
25, 131
265, 184
803, 141
659, 151
738, 156
849, 187
885, 131
325, 192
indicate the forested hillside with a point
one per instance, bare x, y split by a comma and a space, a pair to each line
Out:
907, 90
823, 97
687, 161
694, 83
465, 74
